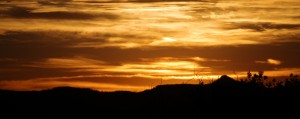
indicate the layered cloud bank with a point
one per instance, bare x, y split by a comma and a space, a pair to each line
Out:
136, 44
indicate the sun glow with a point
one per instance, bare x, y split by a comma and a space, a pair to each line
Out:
168, 39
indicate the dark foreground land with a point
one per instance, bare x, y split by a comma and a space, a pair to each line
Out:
224, 97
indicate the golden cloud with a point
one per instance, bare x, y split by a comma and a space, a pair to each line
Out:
270, 61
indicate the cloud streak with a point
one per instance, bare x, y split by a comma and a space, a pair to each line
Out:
171, 0
270, 61
258, 26
27, 13
53, 2
162, 68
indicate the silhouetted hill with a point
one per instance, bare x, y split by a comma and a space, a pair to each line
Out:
225, 81
163, 101
70, 91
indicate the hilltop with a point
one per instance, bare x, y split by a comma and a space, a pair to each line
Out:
163, 101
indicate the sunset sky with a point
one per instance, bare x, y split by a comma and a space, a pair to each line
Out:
134, 45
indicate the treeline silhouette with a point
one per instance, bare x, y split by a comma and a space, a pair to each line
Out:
254, 95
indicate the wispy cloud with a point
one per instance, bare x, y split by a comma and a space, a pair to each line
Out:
270, 61
161, 68
28, 13
53, 2
262, 26
171, 0
73, 63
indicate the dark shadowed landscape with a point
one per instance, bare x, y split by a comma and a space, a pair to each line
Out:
225, 95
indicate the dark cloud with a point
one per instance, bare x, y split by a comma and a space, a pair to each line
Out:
38, 45
27, 47
24, 12
260, 26
53, 38
297, 17
143, 1
267, 11
104, 1
172, 0
53, 2
243, 57
20, 72
286, 37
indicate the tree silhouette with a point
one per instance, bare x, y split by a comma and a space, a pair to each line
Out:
292, 81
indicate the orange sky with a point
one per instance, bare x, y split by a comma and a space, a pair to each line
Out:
134, 45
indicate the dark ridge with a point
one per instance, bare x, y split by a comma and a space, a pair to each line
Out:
225, 81
68, 89
164, 101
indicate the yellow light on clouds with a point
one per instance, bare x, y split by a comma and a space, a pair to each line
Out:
274, 62
168, 39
